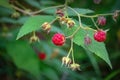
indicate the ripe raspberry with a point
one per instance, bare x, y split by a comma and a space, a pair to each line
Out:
101, 20
100, 36
42, 55
58, 39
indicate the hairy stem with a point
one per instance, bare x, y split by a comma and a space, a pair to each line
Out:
94, 23
36, 12
21, 10
72, 51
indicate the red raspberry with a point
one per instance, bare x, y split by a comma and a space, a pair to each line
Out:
42, 55
58, 39
101, 20
100, 36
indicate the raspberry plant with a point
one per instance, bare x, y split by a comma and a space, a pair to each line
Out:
74, 30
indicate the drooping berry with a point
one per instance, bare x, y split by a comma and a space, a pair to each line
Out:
58, 39
101, 20
87, 40
100, 36
60, 12
115, 15
42, 55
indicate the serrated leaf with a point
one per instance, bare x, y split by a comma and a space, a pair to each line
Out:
24, 57
79, 10
5, 3
32, 24
98, 48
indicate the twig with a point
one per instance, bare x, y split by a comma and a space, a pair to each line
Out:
21, 10
36, 12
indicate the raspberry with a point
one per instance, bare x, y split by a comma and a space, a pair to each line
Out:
42, 55
60, 12
87, 40
58, 39
101, 20
97, 1
100, 36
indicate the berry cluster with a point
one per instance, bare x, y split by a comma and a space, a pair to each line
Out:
59, 39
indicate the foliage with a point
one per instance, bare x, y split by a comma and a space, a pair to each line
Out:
22, 21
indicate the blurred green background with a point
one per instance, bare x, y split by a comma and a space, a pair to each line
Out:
19, 60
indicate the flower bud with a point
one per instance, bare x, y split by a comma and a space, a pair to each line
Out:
63, 20
66, 61
46, 26
101, 20
75, 66
115, 15
15, 15
70, 23
34, 39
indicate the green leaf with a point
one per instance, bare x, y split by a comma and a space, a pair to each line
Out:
32, 24
5, 3
112, 75
97, 48
79, 10
50, 73
24, 57
33, 3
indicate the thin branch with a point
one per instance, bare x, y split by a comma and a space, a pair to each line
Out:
97, 15
79, 19
36, 12
94, 23
21, 10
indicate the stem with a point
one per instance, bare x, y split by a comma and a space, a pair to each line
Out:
79, 19
80, 23
69, 53
97, 15
94, 23
20, 5
21, 10
71, 48
36, 12
34, 33
53, 20
66, 2
72, 51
